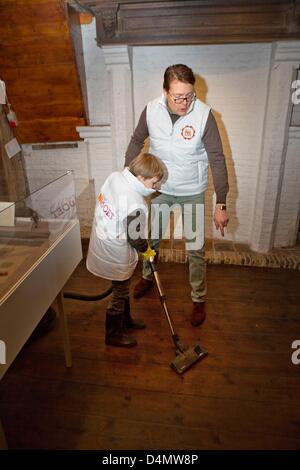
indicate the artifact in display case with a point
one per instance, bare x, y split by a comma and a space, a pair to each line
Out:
7, 214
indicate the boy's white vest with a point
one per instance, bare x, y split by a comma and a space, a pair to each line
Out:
110, 255
180, 147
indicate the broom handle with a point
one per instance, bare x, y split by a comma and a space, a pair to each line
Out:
162, 298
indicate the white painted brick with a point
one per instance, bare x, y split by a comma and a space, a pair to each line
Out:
288, 210
233, 79
96, 76
236, 80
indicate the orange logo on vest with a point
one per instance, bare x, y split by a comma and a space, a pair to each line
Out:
188, 132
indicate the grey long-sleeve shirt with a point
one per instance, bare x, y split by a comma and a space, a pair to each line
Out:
139, 243
212, 144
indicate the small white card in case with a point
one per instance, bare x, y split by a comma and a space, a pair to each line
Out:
12, 147
7, 214
2, 92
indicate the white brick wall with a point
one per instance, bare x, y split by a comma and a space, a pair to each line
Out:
285, 61
233, 79
289, 205
96, 76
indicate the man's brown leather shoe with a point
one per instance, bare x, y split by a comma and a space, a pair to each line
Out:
142, 287
198, 313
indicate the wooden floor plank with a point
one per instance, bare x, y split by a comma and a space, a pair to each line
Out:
73, 430
241, 383
244, 394
162, 407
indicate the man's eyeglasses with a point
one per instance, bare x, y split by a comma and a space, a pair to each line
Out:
181, 99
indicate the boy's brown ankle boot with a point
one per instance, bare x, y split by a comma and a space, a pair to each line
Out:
114, 333
129, 322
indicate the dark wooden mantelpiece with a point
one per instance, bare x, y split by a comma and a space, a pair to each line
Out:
193, 21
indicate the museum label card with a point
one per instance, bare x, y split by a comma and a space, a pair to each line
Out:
12, 147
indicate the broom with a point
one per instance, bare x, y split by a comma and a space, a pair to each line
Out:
185, 357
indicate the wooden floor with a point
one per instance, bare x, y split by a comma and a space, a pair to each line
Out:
243, 395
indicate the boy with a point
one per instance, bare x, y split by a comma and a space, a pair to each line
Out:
119, 225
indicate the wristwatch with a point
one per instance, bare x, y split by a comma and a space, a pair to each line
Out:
222, 207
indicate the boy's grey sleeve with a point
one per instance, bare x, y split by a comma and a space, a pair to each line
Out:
135, 226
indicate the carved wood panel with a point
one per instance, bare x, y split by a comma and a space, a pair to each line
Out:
194, 21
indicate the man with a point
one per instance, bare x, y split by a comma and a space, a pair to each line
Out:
184, 135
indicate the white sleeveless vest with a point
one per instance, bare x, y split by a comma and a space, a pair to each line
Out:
180, 147
110, 255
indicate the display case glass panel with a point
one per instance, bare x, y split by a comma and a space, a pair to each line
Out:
28, 228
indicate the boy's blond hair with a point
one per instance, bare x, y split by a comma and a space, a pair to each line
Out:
148, 166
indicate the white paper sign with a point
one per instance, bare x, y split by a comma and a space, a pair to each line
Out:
7, 215
54, 201
2, 92
12, 147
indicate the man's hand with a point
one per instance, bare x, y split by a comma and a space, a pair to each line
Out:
221, 219
149, 253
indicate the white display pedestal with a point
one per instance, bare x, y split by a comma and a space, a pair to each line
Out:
23, 306
25, 303
40, 247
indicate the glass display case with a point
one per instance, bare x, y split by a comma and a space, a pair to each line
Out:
40, 247
28, 228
